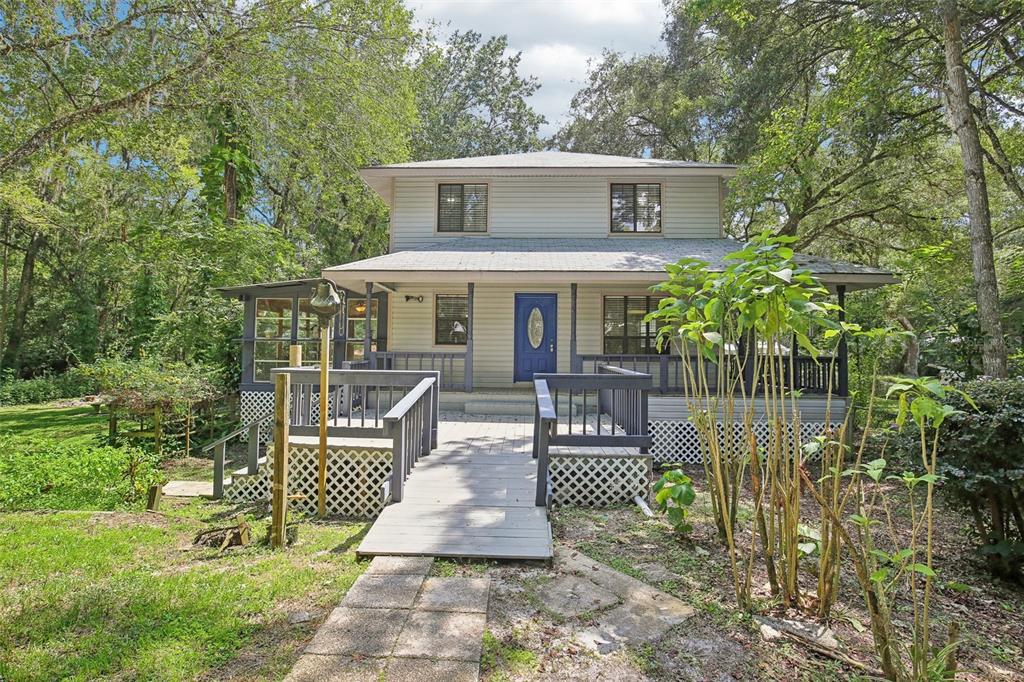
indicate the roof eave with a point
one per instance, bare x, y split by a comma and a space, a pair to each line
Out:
352, 278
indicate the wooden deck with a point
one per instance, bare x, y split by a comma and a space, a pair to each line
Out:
471, 497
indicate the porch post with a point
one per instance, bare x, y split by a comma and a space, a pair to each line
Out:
367, 342
574, 363
467, 363
843, 359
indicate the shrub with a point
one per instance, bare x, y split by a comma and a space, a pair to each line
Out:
148, 383
47, 473
72, 384
674, 494
982, 459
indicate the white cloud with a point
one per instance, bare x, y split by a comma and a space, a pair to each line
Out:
556, 37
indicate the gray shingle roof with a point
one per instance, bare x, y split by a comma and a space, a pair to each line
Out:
552, 159
614, 254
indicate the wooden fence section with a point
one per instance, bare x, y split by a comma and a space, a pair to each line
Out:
619, 394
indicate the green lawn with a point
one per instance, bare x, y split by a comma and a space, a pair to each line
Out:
87, 595
124, 594
75, 424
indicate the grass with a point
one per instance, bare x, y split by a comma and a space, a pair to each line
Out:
88, 595
124, 594
80, 425
499, 660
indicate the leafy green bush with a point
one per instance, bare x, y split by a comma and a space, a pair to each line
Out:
150, 382
674, 494
981, 457
47, 473
15, 391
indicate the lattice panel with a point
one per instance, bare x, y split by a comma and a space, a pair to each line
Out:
677, 442
598, 481
246, 488
251, 406
354, 482
255, 403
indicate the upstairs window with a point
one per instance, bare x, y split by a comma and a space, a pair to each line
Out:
451, 319
636, 207
462, 208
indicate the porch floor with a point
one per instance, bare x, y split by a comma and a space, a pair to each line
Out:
471, 497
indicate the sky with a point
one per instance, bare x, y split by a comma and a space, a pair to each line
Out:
557, 38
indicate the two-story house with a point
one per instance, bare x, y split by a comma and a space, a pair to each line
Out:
503, 266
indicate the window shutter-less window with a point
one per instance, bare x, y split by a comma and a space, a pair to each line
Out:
451, 320
462, 208
636, 207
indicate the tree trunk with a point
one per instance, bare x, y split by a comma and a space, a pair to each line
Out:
912, 353
12, 353
4, 279
993, 352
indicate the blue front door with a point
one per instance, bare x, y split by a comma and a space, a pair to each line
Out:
536, 335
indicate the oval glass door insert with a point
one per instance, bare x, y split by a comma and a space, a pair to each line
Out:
535, 328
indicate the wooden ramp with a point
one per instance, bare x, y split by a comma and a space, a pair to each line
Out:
473, 497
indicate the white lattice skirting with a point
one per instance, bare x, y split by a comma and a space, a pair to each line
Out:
598, 481
255, 403
676, 441
355, 481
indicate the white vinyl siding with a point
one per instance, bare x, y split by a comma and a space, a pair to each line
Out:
412, 327
412, 323
556, 207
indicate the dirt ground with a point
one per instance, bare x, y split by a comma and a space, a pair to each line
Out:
526, 641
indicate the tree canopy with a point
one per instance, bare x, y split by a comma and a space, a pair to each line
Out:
154, 151
841, 116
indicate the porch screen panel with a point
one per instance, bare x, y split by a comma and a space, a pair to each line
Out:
451, 319
625, 331
636, 207
356, 308
309, 333
462, 208
273, 335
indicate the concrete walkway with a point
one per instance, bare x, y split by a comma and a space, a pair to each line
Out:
395, 623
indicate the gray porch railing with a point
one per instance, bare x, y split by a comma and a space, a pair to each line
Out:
666, 371
397, 405
813, 376
618, 393
450, 365
220, 446
810, 376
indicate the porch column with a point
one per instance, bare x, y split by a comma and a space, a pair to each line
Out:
749, 359
843, 360
367, 340
468, 359
574, 360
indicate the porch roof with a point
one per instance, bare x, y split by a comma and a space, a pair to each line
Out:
623, 259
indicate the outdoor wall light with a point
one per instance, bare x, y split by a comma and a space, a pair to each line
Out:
410, 297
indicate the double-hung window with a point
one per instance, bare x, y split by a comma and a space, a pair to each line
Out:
625, 331
451, 319
462, 207
636, 207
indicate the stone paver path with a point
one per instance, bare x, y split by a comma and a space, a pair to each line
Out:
625, 610
395, 623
